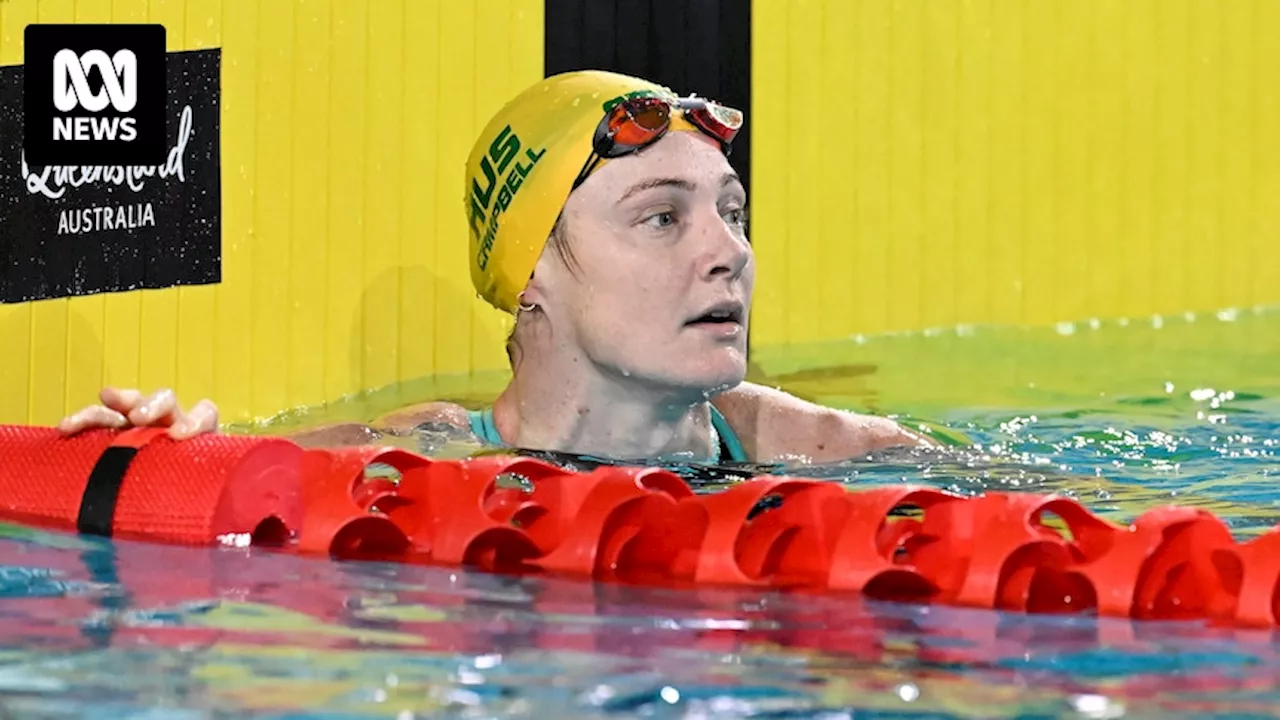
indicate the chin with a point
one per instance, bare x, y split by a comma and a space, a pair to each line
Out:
689, 371
720, 376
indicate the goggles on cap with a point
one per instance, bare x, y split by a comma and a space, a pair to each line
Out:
636, 123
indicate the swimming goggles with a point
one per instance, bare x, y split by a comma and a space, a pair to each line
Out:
636, 123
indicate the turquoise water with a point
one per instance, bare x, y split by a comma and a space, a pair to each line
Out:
1122, 416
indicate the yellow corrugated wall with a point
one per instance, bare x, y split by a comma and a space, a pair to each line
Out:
921, 163
917, 163
345, 128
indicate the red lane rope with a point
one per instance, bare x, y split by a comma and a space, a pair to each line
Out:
1007, 551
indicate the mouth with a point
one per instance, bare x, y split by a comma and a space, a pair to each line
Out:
725, 313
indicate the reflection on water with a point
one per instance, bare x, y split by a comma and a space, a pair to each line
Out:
190, 632
1122, 420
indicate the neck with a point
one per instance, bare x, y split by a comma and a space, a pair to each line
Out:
577, 408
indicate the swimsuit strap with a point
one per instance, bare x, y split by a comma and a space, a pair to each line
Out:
729, 446
484, 428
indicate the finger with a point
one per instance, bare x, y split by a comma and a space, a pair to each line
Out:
94, 416
201, 419
160, 408
123, 401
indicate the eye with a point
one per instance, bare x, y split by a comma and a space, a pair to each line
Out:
661, 219
735, 216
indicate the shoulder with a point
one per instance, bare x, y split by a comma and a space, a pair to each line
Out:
774, 425
434, 413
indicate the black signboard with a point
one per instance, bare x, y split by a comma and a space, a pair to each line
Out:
82, 230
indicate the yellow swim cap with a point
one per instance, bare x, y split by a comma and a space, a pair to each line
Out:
522, 168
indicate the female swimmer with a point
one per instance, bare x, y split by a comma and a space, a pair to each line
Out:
630, 336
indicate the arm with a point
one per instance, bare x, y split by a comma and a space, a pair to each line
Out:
123, 408
776, 426
401, 421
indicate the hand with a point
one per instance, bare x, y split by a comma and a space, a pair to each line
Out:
126, 408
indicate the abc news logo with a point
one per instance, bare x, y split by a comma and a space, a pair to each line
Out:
71, 90
94, 95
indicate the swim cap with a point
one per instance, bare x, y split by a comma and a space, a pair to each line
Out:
522, 168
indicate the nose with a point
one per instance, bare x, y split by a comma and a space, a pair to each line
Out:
726, 250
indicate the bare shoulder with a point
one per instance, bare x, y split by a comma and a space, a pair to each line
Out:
775, 425
435, 413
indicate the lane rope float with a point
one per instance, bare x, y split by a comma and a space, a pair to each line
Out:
1009, 551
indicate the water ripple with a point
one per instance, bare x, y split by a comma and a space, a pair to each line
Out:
1121, 421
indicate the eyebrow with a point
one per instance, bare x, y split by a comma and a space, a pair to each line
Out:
725, 180
656, 183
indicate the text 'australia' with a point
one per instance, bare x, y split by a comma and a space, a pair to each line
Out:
95, 219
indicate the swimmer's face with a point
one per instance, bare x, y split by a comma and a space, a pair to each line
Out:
664, 271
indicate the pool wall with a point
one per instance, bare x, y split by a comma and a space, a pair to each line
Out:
925, 164
344, 128
914, 165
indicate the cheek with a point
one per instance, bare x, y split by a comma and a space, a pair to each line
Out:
658, 286
631, 298
629, 287
635, 302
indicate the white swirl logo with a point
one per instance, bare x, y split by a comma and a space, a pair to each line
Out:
71, 80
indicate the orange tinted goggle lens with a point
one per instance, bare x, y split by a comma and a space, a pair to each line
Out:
718, 121
635, 123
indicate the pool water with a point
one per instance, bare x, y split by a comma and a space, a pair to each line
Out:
1122, 416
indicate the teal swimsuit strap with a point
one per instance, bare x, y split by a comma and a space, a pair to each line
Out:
729, 442
484, 428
